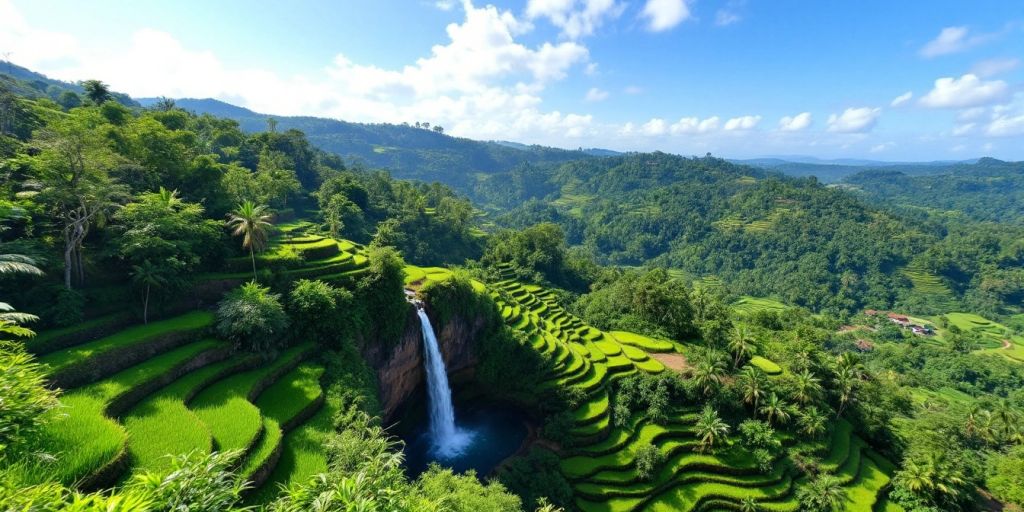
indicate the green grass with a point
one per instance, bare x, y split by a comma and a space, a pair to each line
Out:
765, 365
271, 439
64, 358
162, 425
302, 456
81, 436
292, 393
39, 344
747, 305
225, 409
643, 342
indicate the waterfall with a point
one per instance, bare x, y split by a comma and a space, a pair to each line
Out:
448, 440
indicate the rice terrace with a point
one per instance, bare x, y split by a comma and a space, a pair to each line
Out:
511, 256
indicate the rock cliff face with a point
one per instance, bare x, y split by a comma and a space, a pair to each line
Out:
400, 369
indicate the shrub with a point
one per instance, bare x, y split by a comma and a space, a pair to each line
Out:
535, 477
252, 318
320, 312
647, 460
23, 396
66, 308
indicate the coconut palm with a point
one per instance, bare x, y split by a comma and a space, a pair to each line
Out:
933, 478
169, 197
1007, 416
753, 385
775, 408
18, 264
811, 422
710, 429
846, 383
147, 276
9, 318
823, 494
251, 222
741, 344
749, 504
807, 387
708, 375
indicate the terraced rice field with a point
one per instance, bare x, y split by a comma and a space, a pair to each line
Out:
997, 339
601, 467
177, 391
927, 283
747, 305
319, 257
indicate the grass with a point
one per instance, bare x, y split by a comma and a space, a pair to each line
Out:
224, 407
81, 436
260, 455
64, 358
643, 342
292, 393
766, 365
39, 344
163, 425
747, 305
302, 456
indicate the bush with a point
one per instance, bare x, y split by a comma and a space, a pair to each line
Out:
320, 312
23, 396
535, 477
252, 318
647, 460
67, 308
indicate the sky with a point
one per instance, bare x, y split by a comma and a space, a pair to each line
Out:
898, 81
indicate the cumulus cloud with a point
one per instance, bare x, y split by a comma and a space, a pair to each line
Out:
882, 147
966, 91
726, 17
953, 40
901, 99
445, 5
595, 94
656, 126
662, 15
633, 90
854, 120
1007, 120
795, 123
483, 81
993, 67
742, 123
963, 129
694, 125
576, 18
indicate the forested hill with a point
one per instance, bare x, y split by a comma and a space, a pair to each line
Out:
409, 152
989, 190
832, 171
760, 233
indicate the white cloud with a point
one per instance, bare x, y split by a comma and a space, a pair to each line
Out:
993, 67
795, 123
854, 120
664, 14
656, 126
595, 94
591, 69
971, 114
445, 5
633, 90
1007, 120
694, 125
576, 18
953, 40
963, 129
901, 99
963, 92
725, 17
882, 147
742, 123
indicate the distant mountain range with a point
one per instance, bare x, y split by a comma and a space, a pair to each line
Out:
832, 171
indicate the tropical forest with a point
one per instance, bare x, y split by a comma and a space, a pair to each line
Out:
209, 303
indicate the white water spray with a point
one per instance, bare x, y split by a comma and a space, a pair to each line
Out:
448, 440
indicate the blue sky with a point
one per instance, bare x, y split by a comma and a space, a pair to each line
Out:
738, 78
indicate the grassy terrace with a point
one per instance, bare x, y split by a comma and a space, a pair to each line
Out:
62, 359
601, 468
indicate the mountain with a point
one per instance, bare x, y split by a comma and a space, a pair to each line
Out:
26, 82
988, 190
832, 171
409, 152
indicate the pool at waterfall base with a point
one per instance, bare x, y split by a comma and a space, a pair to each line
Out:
492, 434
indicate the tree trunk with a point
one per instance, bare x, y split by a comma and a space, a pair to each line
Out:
252, 255
67, 265
145, 307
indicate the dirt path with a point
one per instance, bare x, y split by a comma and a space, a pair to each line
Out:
675, 362
1007, 345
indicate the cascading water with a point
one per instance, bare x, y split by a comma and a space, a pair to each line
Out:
447, 439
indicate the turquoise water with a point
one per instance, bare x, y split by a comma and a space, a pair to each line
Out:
495, 434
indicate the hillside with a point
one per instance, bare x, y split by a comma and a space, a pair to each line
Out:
990, 190
832, 171
408, 152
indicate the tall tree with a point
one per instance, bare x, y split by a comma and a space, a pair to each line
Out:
251, 222
775, 409
710, 428
741, 344
147, 275
97, 91
753, 385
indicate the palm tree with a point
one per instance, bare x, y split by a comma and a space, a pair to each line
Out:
710, 428
749, 504
775, 408
1007, 415
147, 275
169, 198
807, 386
9, 318
708, 374
934, 477
740, 344
753, 384
18, 264
250, 221
823, 494
846, 382
812, 422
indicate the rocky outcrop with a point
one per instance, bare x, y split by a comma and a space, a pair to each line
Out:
399, 367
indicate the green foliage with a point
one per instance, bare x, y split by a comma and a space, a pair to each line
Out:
1005, 476
25, 399
536, 477
321, 312
252, 318
649, 302
823, 494
443, 489
381, 290
537, 253
647, 460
